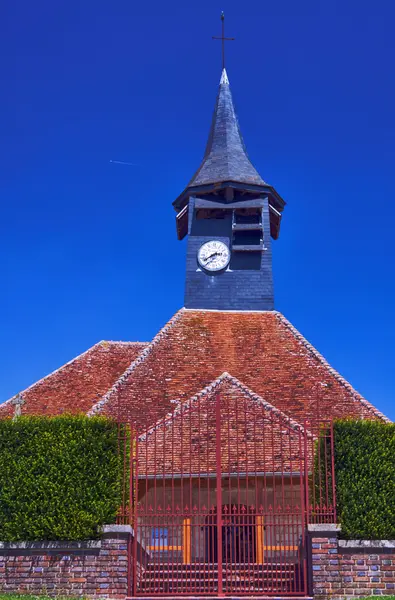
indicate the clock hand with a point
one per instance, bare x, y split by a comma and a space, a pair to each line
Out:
211, 256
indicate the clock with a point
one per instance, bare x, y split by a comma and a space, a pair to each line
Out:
213, 256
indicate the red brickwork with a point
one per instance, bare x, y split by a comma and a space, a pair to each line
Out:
94, 575
76, 386
339, 573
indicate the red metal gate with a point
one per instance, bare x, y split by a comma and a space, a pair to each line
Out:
220, 499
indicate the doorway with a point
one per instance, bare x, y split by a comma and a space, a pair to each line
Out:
238, 544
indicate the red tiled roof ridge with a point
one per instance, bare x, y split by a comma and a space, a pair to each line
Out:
218, 310
97, 408
211, 387
33, 385
122, 343
331, 370
68, 363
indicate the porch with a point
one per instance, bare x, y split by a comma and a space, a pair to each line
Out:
260, 518
222, 491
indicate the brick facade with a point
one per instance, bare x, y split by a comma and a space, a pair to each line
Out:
94, 569
341, 569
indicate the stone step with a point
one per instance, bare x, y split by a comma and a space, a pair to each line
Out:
204, 589
260, 596
267, 567
202, 578
231, 577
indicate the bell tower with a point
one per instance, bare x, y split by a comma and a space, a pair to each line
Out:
230, 215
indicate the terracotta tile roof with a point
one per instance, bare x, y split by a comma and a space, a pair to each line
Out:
262, 349
77, 385
184, 440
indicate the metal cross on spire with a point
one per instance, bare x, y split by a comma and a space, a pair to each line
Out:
223, 39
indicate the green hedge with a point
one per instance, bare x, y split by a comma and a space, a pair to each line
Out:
59, 477
365, 478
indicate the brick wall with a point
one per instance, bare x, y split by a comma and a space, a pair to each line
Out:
99, 569
95, 569
350, 568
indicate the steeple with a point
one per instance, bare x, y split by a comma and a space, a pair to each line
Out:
225, 158
226, 169
229, 214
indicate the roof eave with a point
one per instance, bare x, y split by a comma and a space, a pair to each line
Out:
182, 199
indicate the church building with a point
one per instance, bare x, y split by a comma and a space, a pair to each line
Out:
226, 403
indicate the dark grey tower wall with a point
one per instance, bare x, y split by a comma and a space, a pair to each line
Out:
246, 284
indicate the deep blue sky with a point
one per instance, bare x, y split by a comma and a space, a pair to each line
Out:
88, 248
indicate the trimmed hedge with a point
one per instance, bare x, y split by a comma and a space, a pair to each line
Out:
365, 478
60, 477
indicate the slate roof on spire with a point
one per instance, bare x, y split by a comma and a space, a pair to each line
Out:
225, 158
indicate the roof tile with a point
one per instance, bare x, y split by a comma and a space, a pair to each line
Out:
184, 441
80, 383
261, 349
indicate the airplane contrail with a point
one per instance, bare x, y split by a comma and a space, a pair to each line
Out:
121, 162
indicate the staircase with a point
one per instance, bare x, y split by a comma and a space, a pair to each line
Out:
202, 578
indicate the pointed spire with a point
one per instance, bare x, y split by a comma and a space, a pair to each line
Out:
226, 170
224, 78
225, 158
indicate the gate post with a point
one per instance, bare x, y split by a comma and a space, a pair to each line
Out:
306, 475
133, 503
219, 490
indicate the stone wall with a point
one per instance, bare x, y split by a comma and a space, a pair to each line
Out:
348, 568
93, 568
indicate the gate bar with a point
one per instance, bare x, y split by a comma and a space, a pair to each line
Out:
332, 438
133, 502
219, 491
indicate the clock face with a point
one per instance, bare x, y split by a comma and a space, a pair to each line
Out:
213, 256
